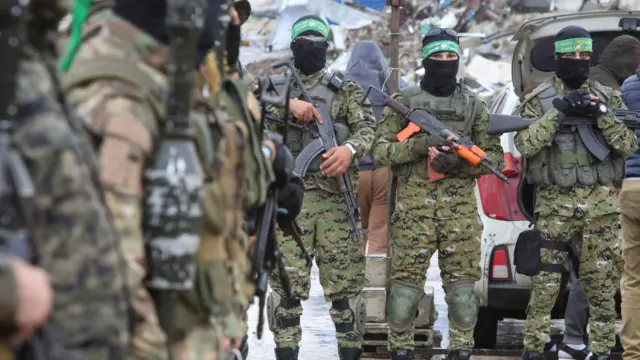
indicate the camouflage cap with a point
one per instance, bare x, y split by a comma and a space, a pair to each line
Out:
243, 7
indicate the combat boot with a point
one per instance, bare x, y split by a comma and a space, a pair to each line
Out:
532, 356
459, 355
287, 353
401, 355
349, 353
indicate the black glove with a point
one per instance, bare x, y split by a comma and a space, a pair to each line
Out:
576, 102
283, 162
423, 142
445, 161
290, 199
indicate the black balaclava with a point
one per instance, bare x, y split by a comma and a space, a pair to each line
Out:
572, 72
149, 16
309, 57
439, 75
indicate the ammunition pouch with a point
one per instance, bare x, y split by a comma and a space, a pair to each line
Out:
526, 256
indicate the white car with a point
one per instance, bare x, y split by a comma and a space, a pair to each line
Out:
503, 292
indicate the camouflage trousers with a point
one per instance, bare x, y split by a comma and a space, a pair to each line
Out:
203, 342
598, 277
415, 239
149, 340
340, 259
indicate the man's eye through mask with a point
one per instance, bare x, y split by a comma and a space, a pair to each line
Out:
309, 42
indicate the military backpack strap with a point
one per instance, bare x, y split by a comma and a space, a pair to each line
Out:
118, 69
545, 93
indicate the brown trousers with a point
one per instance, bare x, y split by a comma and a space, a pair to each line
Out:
630, 280
372, 192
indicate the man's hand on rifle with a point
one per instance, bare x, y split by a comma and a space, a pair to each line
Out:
303, 111
337, 161
443, 158
35, 299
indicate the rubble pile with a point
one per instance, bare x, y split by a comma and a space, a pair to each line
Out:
486, 28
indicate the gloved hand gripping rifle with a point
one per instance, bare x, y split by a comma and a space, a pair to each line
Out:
173, 184
325, 139
421, 120
16, 187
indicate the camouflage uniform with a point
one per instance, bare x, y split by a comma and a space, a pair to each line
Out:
439, 216
237, 154
326, 228
565, 211
73, 234
116, 83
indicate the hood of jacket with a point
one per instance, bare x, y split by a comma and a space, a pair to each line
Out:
367, 66
618, 61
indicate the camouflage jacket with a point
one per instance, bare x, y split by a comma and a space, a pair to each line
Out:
594, 201
73, 235
348, 110
450, 197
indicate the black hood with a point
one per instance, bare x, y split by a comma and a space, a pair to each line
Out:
367, 67
149, 16
621, 58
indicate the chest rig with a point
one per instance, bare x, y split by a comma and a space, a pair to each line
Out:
322, 92
578, 153
457, 112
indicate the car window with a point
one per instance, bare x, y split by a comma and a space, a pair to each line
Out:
542, 57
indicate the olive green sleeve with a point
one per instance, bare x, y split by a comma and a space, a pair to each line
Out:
8, 292
387, 150
490, 144
619, 137
533, 139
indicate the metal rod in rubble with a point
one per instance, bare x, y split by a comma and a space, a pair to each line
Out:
395, 45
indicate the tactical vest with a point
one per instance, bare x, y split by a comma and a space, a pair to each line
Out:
565, 161
457, 112
322, 92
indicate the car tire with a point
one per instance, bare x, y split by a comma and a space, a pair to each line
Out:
486, 331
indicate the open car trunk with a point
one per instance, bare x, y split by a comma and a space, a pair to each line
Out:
533, 59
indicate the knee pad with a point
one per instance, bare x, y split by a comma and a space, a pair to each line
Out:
275, 301
402, 306
359, 311
463, 306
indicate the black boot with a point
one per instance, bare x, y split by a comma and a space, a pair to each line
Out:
401, 355
532, 356
459, 355
349, 353
287, 353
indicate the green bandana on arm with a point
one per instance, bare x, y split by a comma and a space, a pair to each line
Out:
440, 46
79, 15
309, 25
574, 45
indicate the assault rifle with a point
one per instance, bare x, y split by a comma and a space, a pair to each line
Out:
267, 254
173, 184
16, 187
421, 120
586, 126
325, 139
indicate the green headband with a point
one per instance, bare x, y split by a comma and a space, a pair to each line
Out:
574, 45
440, 46
79, 14
309, 25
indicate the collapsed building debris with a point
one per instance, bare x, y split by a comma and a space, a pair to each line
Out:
485, 27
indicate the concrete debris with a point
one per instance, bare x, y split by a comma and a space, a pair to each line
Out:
485, 28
